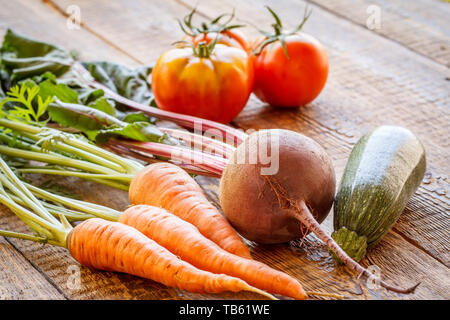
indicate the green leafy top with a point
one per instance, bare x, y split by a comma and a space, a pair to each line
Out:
132, 84
22, 57
26, 59
22, 97
30, 102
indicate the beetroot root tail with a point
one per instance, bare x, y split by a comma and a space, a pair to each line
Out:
302, 213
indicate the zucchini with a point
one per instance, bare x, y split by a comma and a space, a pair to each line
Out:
384, 169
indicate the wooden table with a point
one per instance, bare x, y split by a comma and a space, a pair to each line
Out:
395, 74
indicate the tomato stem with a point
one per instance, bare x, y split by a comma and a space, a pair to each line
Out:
279, 34
214, 26
202, 50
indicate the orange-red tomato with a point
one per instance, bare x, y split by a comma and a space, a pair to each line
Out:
290, 81
216, 87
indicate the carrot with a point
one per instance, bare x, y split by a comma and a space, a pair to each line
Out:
184, 240
108, 245
168, 186
114, 246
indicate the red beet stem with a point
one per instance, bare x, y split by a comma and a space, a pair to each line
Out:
149, 158
200, 160
206, 144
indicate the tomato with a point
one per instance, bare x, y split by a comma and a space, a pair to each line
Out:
211, 84
291, 81
291, 76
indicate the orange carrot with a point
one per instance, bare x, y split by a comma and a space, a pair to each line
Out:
113, 246
168, 186
184, 240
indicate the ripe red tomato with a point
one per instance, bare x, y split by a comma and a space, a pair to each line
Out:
213, 84
291, 76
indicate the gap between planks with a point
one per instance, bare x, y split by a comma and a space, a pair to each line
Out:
341, 16
417, 245
338, 14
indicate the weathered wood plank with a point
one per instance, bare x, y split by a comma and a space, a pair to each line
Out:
420, 25
34, 18
143, 29
19, 280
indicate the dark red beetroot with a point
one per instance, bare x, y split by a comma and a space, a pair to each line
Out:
271, 206
258, 206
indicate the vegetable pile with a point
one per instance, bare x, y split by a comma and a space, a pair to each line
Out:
101, 121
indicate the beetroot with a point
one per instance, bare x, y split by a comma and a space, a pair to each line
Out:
259, 206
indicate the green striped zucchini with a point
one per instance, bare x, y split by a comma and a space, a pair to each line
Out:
384, 169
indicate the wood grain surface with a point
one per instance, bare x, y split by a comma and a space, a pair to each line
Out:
389, 75
420, 25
